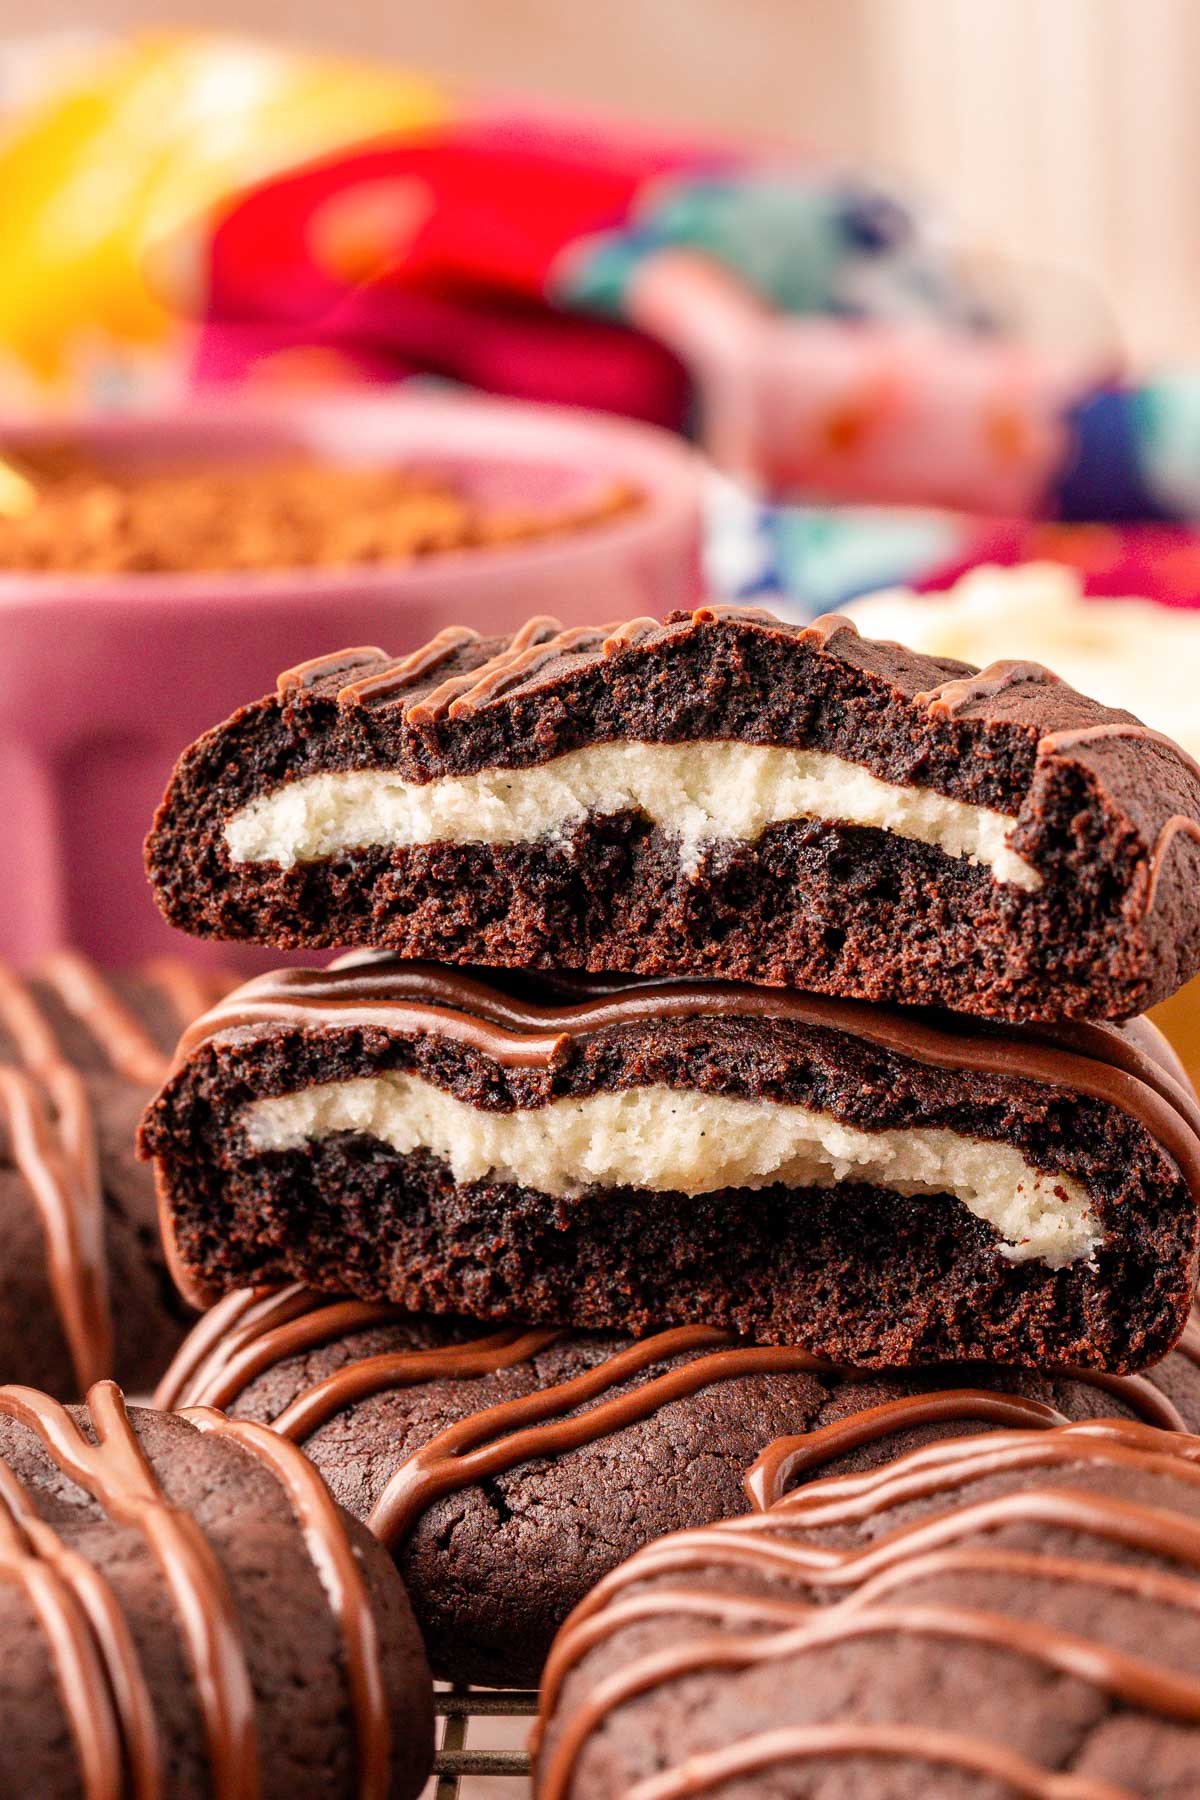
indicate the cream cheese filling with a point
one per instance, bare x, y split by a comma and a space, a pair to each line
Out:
683, 1141
700, 792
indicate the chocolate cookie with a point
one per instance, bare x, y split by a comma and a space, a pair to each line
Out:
510, 1470
879, 1186
185, 1612
1013, 1615
723, 795
80, 1054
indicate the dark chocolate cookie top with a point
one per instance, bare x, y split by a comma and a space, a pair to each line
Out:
1012, 1612
508, 1468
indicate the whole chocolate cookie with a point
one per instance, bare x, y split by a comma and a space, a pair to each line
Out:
185, 1612
879, 1185
723, 795
84, 1289
1017, 1614
511, 1470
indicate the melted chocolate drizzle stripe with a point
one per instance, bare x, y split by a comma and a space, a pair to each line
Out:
385, 684
541, 641
343, 1581
58, 1158
951, 698
48, 1119
944, 1466
85, 992
105, 1695
782, 1461
597, 1624
36, 1565
769, 1542
257, 1331
928, 1547
502, 1437
1108, 1066
768, 1538
1133, 1681
116, 1472
70, 1206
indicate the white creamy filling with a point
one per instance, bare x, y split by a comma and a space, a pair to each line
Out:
700, 793
683, 1141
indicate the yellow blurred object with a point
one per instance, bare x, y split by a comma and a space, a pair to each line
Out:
1179, 1019
146, 135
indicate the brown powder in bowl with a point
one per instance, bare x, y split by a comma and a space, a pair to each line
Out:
60, 513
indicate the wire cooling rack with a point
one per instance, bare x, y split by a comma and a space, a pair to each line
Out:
481, 1735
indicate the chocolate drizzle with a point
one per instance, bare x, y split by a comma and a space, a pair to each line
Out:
105, 1693
809, 1743
340, 1576
539, 641
867, 1586
410, 669
255, 1330
258, 1331
951, 698
47, 1117
87, 993
116, 1472
319, 668
824, 628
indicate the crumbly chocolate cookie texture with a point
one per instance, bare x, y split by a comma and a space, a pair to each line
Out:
84, 1289
185, 1612
877, 1185
1016, 1614
722, 794
510, 1470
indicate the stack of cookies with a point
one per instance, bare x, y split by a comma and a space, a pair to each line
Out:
741, 1045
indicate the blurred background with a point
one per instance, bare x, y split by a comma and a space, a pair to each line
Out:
338, 326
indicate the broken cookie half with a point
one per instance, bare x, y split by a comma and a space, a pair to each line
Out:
723, 794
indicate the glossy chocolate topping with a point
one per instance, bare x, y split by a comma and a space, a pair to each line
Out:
863, 1582
249, 1332
1128, 1068
47, 1117
318, 668
100, 1673
1178, 825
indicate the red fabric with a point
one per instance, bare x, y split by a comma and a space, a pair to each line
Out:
1154, 562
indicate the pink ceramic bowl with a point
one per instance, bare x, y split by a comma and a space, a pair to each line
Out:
103, 680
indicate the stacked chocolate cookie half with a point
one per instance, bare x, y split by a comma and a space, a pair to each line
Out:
739, 1040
